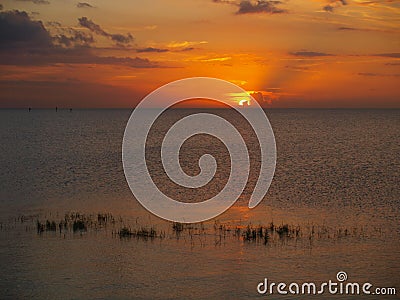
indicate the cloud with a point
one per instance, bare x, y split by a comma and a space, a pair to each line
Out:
328, 8
216, 59
53, 24
151, 49
265, 98
187, 49
309, 54
18, 30
333, 4
77, 38
368, 74
347, 28
1, 6
58, 55
68, 37
270, 7
393, 55
185, 44
255, 7
118, 38
36, 1
304, 69
84, 5
27, 42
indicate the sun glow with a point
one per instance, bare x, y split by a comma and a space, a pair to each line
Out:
244, 102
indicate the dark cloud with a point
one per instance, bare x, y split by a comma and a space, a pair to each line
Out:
369, 74
333, 4
151, 49
266, 98
187, 49
85, 22
270, 7
27, 42
251, 7
393, 55
82, 55
18, 30
347, 28
1, 6
309, 54
299, 68
76, 38
328, 8
259, 97
68, 37
84, 5
36, 1
377, 74
161, 50
118, 38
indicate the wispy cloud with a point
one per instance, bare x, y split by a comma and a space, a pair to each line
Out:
393, 55
309, 54
255, 7
36, 1
347, 28
225, 58
76, 38
70, 37
370, 74
151, 49
301, 69
84, 5
95, 28
270, 7
333, 4
185, 44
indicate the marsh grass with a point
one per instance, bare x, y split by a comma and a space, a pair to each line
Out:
202, 234
143, 233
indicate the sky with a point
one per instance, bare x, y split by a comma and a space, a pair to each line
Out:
290, 53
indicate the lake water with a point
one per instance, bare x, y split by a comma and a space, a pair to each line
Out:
337, 181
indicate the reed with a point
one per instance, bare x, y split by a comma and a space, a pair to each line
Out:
218, 233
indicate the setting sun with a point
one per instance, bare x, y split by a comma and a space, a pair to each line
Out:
289, 54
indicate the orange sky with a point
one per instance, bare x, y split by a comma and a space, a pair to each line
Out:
294, 53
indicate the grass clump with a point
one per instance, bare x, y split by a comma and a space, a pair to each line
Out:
79, 225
